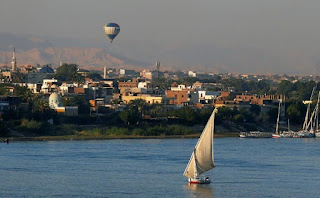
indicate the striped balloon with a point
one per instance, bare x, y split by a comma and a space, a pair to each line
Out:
111, 30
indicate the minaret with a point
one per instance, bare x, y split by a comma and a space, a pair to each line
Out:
14, 61
105, 72
158, 68
6, 60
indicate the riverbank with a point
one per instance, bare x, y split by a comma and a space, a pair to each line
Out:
106, 137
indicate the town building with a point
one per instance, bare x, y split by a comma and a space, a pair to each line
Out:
55, 103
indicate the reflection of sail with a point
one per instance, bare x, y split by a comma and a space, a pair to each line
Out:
199, 190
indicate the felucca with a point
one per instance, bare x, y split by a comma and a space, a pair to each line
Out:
202, 158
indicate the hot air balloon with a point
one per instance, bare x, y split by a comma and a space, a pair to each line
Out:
111, 30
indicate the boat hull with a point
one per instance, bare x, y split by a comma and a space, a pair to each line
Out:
276, 136
199, 180
287, 134
304, 134
255, 134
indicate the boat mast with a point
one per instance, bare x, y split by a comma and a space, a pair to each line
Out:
278, 118
195, 162
308, 111
316, 117
212, 134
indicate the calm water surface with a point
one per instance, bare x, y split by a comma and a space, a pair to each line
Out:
153, 168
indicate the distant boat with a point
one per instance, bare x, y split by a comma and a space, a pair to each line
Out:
277, 134
202, 158
282, 134
310, 125
255, 134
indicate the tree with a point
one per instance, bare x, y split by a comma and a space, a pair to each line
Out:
78, 78
3, 129
17, 77
66, 72
80, 101
130, 115
263, 87
285, 87
187, 114
141, 105
94, 76
161, 83
23, 92
255, 109
296, 111
205, 114
225, 113
272, 113
156, 110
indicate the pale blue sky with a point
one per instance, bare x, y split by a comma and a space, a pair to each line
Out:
255, 36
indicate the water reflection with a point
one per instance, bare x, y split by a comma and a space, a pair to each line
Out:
199, 190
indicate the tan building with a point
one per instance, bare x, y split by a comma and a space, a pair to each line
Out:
126, 86
148, 98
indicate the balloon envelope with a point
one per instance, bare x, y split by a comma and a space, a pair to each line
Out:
111, 30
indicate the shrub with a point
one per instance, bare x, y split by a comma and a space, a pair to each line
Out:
118, 131
137, 131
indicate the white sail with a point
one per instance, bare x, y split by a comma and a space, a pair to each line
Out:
202, 158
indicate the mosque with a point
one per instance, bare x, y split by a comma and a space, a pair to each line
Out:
56, 104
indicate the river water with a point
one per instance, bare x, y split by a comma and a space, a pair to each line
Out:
154, 167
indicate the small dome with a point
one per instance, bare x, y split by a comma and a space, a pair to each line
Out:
47, 69
55, 101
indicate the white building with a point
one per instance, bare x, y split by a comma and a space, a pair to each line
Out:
203, 97
49, 85
56, 104
192, 74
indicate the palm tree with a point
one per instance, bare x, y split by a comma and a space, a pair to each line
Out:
78, 78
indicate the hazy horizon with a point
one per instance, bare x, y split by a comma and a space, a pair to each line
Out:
275, 36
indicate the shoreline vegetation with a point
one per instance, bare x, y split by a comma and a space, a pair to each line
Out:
98, 132
109, 137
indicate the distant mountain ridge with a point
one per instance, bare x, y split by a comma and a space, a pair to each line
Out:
34, 50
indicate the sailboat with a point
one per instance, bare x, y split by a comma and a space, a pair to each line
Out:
310, 126
284, 134
289, 133
277, 134
201, 159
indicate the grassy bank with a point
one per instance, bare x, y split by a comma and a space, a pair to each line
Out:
108, 137
100, 132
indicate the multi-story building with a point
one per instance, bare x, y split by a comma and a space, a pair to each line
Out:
148, 98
